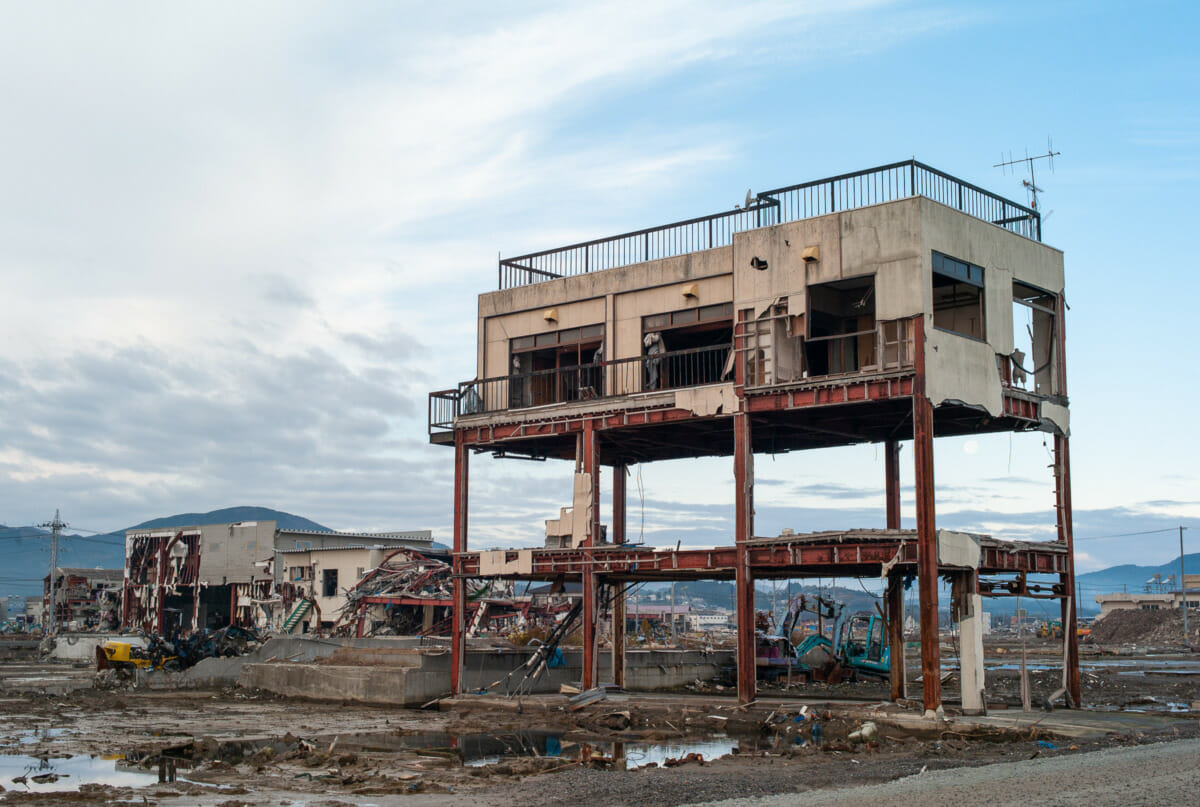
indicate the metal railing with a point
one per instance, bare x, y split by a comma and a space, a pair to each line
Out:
885, 183
578, 383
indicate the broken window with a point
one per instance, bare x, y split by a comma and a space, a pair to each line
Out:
555, 367
697, 341
841, 327
1031, 364
329, 582
958, 301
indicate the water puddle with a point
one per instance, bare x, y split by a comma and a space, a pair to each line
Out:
487, 749
471, 750
34, 775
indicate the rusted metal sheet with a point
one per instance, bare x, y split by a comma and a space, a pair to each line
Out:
849, 391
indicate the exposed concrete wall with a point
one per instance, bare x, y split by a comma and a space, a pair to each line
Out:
970, 628
630, 306
82, 646
228, 552
960, 369
348, 563
958, 549
413, 677
963, 370
582, 300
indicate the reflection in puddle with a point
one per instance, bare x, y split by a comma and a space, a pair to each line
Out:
486, 749
35, 775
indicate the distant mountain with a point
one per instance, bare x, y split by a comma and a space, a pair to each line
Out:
1132, 578
229, 515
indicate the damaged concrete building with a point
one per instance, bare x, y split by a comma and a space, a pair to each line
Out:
892, 304
85, 599
210, 576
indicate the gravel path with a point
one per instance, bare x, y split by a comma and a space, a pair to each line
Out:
1162, 774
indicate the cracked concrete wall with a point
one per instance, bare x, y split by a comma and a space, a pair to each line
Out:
961, 369
228, 552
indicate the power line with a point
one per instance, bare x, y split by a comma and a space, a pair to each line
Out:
1127, 534
56, 527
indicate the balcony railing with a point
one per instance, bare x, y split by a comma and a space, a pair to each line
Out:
580, 383
792, 203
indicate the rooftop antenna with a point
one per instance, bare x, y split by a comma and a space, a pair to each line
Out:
1030, 184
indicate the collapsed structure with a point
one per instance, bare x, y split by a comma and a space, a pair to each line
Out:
245, 574
84, 599
892, 304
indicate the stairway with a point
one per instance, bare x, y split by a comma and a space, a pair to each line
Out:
298, 613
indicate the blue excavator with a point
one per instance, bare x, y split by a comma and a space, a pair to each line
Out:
854, 645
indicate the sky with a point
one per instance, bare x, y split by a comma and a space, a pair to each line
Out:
241, 242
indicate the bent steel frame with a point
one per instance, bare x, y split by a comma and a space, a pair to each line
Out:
879, 404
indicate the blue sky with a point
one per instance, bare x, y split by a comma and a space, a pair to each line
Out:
239, 244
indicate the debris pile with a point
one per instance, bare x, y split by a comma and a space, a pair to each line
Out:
390, 598
1135, 626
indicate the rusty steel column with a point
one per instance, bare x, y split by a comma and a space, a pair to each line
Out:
927, 565
591, 465
458, 634
618, 591
1066, 522
891, 470
743, 487
894, 604
894, 598
1070, 615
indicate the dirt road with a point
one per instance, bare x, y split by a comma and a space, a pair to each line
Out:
1163, 774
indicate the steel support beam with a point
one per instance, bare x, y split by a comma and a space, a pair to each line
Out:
891, 470
458, 633
1070, 615
894, 598
589, 463
743, 487
618, 591
927, 562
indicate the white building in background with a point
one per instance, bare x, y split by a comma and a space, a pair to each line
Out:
709, 619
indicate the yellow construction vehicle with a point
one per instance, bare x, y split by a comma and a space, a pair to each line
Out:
120, 655
1051, 630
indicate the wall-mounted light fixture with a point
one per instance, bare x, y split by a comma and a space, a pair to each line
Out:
550, 315
691, 291
758, 263
811, 254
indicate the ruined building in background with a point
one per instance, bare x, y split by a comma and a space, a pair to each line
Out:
85, 599
888, 305
180, 579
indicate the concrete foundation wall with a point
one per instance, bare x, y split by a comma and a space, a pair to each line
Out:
82, 646
412, 676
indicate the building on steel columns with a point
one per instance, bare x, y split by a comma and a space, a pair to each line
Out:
892, 304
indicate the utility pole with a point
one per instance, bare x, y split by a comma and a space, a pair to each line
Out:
1183, 586
56, 527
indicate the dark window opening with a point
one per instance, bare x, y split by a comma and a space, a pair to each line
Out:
1033, 338
687, 348
556, 367
329, 582
840, 326
958, 300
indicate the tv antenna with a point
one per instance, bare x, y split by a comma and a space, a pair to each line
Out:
1030, 184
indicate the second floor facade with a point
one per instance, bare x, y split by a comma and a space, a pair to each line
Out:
823, 298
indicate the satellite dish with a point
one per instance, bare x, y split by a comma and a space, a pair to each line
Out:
749, 198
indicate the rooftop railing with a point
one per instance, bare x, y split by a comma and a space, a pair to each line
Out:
792, 203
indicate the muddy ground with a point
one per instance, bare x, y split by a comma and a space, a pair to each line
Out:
233, 747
